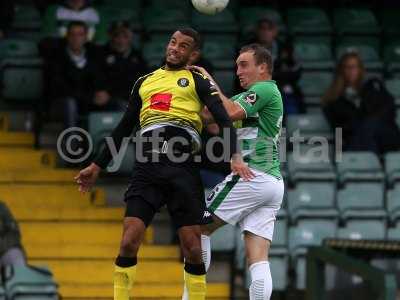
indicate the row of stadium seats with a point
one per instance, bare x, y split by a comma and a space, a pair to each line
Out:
306, 163
290, 243
352, 167
158, 16
355, 200
22, 80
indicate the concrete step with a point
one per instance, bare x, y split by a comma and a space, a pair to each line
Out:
38, 198
82, 234
64, 251
16, 139
100, 271
215, 291
24, 159
42, 176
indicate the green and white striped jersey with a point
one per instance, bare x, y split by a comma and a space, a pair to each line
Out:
259, 132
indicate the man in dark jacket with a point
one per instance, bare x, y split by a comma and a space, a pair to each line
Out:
122, 64
11, 251
76, 78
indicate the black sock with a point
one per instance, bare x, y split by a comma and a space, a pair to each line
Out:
126, 262
195, 269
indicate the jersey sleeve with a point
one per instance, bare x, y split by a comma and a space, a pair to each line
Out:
208, 94
254, 100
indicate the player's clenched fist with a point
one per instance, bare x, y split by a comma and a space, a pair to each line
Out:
87, 177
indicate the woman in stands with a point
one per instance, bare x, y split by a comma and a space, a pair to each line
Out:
362, 107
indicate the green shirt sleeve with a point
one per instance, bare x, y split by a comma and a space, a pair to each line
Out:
254, 100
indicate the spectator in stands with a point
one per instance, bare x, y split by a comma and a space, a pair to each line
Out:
6, 16
287, 71
123, 65
71, 10
364, 109
266, 34
76, 78
11, 250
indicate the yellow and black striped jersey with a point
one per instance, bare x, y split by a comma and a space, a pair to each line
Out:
172, 97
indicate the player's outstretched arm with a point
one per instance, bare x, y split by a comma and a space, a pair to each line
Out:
87, 177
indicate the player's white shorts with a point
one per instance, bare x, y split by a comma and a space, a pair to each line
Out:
253, 204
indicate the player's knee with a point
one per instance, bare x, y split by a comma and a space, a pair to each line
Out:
130, 243
191, 249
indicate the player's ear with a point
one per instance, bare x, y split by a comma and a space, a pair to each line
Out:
194, 55
263, 68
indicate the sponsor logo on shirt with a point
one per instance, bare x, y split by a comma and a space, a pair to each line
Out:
161, 102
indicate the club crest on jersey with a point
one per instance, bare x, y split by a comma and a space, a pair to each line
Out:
183, 82
251, 98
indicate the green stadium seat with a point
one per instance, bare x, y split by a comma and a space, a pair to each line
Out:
225, 80
305, 168
314, 85
355, 21
22, 80
18, 48
28, 282
310, 232
26, 18
312, 200
108, 15
391, 56
223, 22
308, 21
257, 13
159, 19
393, 233
223, 240
393, 86
101, 124
361, 201
308, 126
314, 55
154, 53
279, 242
359, 166
393, 203
390, 21
392, 167
363, 229
220, 54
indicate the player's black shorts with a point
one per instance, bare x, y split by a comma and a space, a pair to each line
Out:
176, 185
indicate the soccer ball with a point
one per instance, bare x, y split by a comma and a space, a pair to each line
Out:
210, 7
